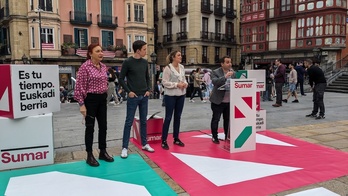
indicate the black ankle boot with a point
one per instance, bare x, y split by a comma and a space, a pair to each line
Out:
91, 160
103, 155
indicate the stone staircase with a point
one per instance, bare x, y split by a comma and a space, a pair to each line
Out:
339, 85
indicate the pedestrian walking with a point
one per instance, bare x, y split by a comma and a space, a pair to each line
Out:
279, 79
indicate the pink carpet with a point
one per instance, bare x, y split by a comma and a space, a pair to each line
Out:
279, 163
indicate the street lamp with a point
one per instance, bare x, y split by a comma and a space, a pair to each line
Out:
153, 70
39, 10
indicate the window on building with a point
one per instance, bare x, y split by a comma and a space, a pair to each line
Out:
139, 37
300, 27
183, 54
319, 25
47, 35
169, 50
320, 4
107, 38
31, 5
128, 12
206, 2
169, 31
183, 24
229, 52
80, 10
248, 35
285, 5
106, 10
129, 43
138, 13
81, 38
32, 37
284, 35
229, 29
217, 54
47, 38
217, 26
229, 4
328, 24
205, 24
310, 27
204, 54
329, 3
46, 5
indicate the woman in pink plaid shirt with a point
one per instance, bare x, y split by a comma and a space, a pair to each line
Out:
91, 92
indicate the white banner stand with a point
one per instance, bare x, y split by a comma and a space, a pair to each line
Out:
26, 142
242, 115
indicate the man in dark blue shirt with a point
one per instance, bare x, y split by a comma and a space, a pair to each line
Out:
300, 75
317, 81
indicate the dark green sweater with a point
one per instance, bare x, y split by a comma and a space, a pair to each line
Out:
136, 72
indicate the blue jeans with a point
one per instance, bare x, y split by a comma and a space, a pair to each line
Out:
173, 104
132, 104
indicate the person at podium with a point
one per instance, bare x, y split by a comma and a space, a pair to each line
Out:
220, 99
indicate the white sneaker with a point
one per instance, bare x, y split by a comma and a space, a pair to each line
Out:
124, 153
204, 101
191, 100
148, 148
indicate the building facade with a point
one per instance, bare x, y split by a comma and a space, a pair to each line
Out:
292, 30
203, 31
59, 31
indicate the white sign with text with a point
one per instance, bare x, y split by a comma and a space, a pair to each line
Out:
29, 90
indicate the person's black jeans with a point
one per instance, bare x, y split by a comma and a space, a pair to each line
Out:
300, 82
318, 99
218, 109
279, 91
96, 109
197, 89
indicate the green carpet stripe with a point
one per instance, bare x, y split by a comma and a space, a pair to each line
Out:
131, 170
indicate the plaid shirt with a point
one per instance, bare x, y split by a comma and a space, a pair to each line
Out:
90, 80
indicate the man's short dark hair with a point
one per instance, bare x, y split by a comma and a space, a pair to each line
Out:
137, 45
222, 60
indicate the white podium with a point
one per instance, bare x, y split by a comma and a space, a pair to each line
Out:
26, 142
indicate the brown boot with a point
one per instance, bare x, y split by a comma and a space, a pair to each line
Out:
91, 160
103, 155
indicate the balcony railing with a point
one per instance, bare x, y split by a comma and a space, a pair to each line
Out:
107, 21
206, 8
181, 9
230, 38
219, 10
167, 12
230, 13
181, 36
167, 38
80, 18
